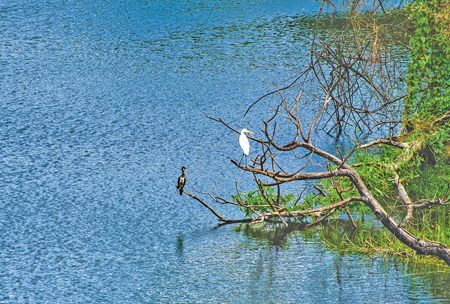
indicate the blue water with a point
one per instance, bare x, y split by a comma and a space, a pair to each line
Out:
101, 103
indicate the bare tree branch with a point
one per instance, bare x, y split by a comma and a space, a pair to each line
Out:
405, 198
327, 100
385, 142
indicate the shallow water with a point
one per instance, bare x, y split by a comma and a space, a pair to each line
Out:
101, 105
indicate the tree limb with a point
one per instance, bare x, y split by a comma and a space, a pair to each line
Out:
385, 142
405, 198
220, 218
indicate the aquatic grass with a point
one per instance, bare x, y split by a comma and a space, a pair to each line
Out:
371, 239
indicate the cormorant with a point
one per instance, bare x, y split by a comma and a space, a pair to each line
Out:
181, 181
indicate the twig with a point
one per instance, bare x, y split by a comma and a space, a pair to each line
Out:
222, 219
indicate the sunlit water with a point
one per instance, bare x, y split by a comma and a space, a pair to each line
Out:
102, 102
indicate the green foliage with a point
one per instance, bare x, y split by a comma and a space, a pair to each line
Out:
438, 139
373, 172
256, 200
428, 74
431, 182
314, 200
426, 176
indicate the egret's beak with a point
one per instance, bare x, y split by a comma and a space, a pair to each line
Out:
250, 132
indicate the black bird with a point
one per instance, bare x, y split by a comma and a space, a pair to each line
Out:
181, 181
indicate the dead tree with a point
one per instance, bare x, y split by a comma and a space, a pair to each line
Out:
355, 80
266, 165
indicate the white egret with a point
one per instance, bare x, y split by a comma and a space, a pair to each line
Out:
245, 145
181, 181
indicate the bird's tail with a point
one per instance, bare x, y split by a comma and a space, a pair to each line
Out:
181, 191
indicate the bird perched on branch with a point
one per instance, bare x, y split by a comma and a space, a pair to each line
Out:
181, 180
245, 145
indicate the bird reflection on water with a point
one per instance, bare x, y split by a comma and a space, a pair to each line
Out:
180, 244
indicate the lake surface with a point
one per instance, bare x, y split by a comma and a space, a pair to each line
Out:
102, 103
